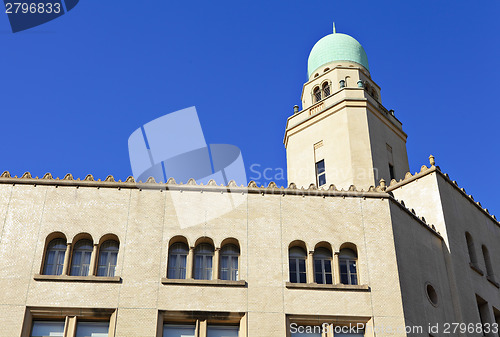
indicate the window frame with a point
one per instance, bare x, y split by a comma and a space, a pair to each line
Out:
59, 252
202, 321
233, 273
327, 257
76, 249
70, 317
349, 260
296, 259
206, 273
177, 268
108, 264
322, 174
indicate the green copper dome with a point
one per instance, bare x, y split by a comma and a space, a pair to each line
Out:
336, 47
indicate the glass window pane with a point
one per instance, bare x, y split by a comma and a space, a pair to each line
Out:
293, 277
328, 279
343, 266
222, 331
172, 330
344, 279
317, 265
322, 180
53, 329
302, 266
318, 278
352, 267
293, 265
354, 279
328, 266
320, 166
92, 329
302, 278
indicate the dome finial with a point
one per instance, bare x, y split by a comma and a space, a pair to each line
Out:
334, 30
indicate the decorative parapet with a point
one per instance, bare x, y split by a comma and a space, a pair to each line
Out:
381, 191
424, 170
171, 184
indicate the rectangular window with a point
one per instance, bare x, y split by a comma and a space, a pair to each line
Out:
92, 329
173, 330
320, 173
76, 322
390, 159
47, 328
222, 331
484, 312
391, 172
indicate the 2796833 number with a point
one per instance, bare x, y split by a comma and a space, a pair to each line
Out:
470, 328
33, 7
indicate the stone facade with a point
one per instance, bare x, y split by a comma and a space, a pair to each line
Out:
138, 259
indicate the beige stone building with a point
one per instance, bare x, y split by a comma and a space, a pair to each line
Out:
355, 246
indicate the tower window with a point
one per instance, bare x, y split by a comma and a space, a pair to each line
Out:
391, 171
316, 94
320, 173
326, 90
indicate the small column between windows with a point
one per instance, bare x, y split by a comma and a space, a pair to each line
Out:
66, 259
335, 268
215, 270
70, 326
202, 328
93, 260
310, 267
189, 265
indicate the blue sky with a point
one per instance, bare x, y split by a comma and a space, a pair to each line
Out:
74, 89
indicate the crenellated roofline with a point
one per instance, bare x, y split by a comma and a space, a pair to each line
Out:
379, 192
424, 170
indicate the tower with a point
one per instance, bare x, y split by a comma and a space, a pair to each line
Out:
343, 135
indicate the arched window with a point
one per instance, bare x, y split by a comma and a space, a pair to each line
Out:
323, 266
326, 89
297, 265
471, 249
80, 260
177, 257
487, 262
203, 256
229, 262
347, 264
108, 254
54, 258
316, 95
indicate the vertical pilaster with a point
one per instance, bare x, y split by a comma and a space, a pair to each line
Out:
93, 261
66, 259
190, 265
215, 269
310, 267
336, 268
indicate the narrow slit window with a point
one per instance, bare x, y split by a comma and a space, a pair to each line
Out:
320, 173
